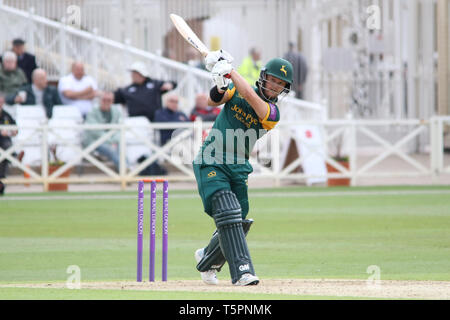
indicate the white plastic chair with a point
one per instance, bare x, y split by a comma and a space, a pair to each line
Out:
135, 147
62, 127
34, 112
62, 132
29, 119
67, 112
10, 109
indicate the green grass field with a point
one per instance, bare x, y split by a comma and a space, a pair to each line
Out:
299, 233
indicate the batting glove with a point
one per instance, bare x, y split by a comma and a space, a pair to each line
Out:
221, 82
221, 74
214, 56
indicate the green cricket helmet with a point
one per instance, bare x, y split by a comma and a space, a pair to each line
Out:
278, 68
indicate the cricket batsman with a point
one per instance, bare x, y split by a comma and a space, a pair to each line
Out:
221, 167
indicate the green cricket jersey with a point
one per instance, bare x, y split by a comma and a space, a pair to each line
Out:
235, 132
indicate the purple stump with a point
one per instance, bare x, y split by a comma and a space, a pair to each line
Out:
152, 231
140, 229
165, 230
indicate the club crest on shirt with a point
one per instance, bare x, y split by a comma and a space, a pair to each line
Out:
212, 174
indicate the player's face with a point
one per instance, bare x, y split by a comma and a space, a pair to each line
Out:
273, 86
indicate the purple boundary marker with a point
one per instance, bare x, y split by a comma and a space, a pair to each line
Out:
140, 229
165, 229
152, 231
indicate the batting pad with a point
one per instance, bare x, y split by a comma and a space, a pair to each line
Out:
234, 248
213, 257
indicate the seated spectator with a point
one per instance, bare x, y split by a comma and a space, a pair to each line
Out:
202, 110
11, 77
169, 114
104, 113
143, 96
37, 93
5, 140
25, 60
78, 89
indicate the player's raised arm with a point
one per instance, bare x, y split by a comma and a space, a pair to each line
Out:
275, 79
249, 94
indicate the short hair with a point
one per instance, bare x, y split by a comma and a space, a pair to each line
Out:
106, 93
18, 42
9, 55
77, 62
168, 95
254, 50
37, 70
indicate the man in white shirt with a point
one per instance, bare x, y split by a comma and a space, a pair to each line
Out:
78, 89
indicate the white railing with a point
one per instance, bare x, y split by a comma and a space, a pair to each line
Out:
182, 148
56, 45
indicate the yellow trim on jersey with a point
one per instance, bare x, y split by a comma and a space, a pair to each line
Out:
231, 92
268, 125
267, 114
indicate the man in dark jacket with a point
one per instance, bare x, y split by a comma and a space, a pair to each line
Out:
169, 114
143, 96
298, 61
37, 93
25, 60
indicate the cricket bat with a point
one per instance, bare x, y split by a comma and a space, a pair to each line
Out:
189, 35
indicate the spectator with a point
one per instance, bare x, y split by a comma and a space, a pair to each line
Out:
37, 93
105, 113
298, 62
251, 66
78, 89
202, 110
11, 77
5, 140
25, 60
169, 114
143, 96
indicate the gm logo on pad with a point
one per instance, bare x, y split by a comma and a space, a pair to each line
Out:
244, 267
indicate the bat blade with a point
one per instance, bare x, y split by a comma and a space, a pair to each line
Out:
189, 35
